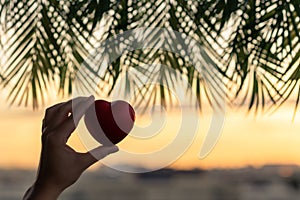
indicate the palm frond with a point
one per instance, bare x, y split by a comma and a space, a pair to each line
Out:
262, 43
44, 46
249, 49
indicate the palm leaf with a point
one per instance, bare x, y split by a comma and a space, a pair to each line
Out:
249, 48
45, 43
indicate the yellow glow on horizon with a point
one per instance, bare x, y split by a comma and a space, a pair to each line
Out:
244, 140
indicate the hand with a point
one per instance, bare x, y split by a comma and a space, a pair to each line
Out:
60, 165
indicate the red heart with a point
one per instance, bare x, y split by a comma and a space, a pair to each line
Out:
109, 122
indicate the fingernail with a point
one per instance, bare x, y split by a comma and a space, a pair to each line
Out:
114, 149
91, 98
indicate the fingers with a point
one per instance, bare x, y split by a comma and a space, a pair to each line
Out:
58, 113
78, 110
96, 154
49, 114
73, 104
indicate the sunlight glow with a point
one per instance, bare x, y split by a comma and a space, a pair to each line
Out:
245, 140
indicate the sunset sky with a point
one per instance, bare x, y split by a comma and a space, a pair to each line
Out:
245, 140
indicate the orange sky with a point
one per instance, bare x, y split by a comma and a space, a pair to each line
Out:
244, 141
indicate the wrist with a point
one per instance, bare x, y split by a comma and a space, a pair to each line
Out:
43, 191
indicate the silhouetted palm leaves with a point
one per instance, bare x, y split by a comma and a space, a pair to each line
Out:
251, 47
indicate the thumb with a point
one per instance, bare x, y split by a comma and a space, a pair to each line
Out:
96, 154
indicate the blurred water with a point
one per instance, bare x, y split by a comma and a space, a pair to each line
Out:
267, 183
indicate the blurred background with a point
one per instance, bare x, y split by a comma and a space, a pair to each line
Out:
250, 49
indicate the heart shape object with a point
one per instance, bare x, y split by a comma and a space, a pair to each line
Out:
109, 122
